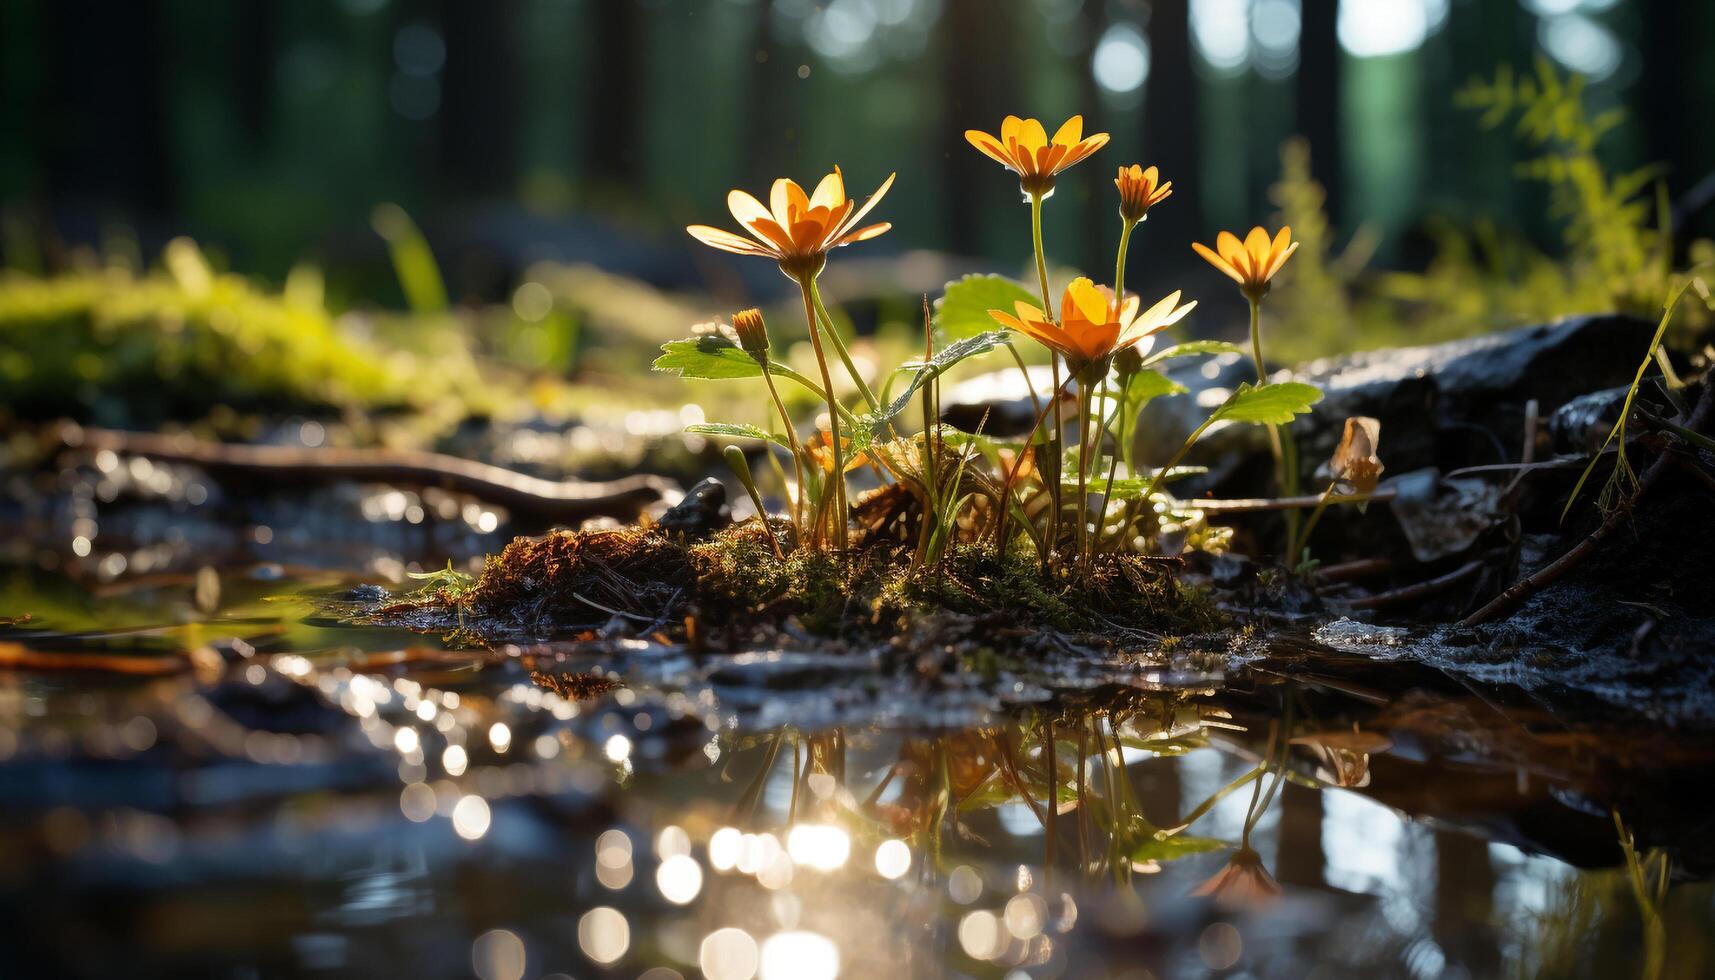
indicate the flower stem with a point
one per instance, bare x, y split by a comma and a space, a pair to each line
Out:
1083, 501
1280, 441
1119, 263
1058, 436
807, 285
840, 348
797, 455
1302, 540
1114, 462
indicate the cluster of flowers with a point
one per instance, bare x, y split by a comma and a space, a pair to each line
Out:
1092, 331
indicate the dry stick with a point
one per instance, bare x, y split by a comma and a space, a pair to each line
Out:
1345, 571
552, 500
1419, 590
1252, 505
1528, 587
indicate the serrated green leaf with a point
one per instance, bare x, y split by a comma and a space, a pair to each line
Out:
944, 358
710, 357
1193, 347
963, 309
1271, 404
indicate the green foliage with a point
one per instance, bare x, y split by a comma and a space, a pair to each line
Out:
925, 372
1272, 404
963, 309
1614, 253
735, 430
1617, 245
419, 274
118, 347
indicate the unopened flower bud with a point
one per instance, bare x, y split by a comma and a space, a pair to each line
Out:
752, 333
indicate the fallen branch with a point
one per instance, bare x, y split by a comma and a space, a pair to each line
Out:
552, 501
1251, 505
1420, 590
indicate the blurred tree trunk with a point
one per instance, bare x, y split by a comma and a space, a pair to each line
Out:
765, 82
1170, 137
1675, 76
1318, 104
108, 134
976, 56
253, 68
1478, 39
480, 97
613, 120
1100, 217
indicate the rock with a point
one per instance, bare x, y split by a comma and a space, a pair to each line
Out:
1472, 393
701, 512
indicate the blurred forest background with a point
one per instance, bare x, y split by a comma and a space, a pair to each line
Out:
568, 131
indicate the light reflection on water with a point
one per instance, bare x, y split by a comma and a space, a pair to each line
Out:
349, 802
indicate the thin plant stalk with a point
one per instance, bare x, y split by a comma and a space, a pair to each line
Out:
840, 348
1303, 540
808, 286
1280, 441
1119, 263
797, 453
1113, 462
1059, 420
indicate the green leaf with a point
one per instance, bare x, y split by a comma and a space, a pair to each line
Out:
735, 430
1176, 847
944, 358
963, 309
711, 357
1273, 404
1194, 347
1148, 385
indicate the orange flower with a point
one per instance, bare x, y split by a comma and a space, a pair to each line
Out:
1253, 262
1140, 190
1025, 149
1091, 326
1243, 883
796, 230
821, 448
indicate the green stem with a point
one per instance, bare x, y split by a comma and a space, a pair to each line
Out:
1280, 441
807, 285
840, 348
1302, 541
1059, 433
1114, 462
1083, 500
1119, 264
797, 454
1190, 440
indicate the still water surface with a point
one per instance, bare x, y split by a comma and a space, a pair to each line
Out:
214, 775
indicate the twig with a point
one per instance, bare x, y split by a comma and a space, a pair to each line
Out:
551, 500
1346, 571
1250, 505
1528, 587
1418, 591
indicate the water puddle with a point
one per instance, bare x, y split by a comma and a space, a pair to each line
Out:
224, 778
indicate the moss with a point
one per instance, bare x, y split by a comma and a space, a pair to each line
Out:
572, 580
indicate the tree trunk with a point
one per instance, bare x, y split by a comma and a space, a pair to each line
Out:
1318, 106
1170, 136
481, 94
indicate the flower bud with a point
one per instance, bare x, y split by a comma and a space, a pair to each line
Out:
1140, 190
752, 333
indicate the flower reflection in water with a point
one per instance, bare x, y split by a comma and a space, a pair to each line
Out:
870, 851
